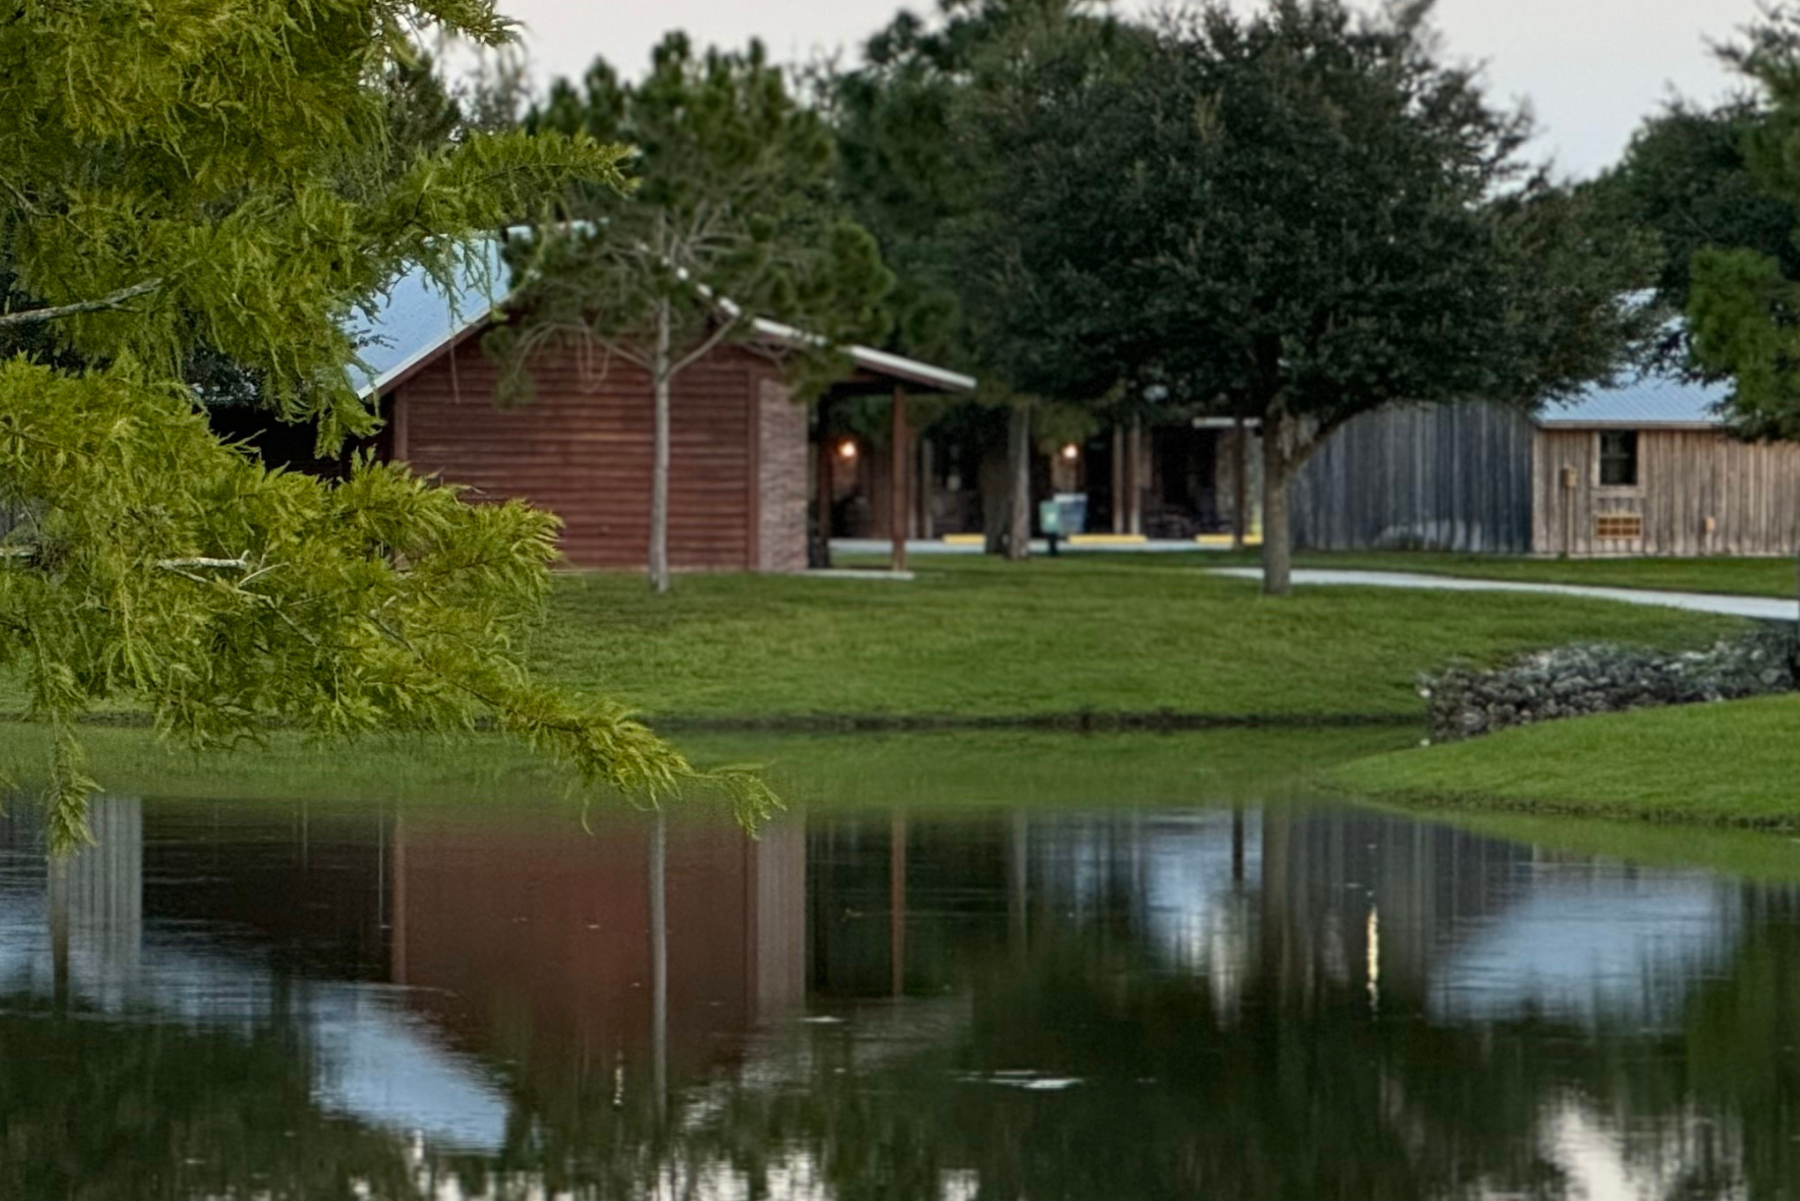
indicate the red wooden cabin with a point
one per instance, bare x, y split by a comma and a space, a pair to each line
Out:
739, 462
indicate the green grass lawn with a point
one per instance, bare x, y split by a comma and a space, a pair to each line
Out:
975, 637
1731, 764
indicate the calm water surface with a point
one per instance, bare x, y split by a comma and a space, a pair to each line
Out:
270, 1000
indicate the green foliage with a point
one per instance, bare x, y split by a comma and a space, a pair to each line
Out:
1296, 217
1687, 177
913, 175
1744, 302
230, 180
732, 216
222, 175
919, 176
1289, 213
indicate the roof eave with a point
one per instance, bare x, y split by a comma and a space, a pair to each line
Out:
401, 372
876, 362
1628, 424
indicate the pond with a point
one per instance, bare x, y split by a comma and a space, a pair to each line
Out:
1219, 995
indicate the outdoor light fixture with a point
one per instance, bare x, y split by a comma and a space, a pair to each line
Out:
1071, 452
847, 450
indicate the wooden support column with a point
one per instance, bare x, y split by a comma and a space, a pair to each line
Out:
1134, 477
922, 490
826, 470
1240, 483
900, 454
1120, 498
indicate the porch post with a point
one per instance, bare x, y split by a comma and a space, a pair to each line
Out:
1121, 519
1134, 484
900, 454
922, 490
827, 481
1240, 483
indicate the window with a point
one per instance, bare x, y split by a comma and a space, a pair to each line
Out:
1618, 458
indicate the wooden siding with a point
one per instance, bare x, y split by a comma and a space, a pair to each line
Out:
1751, 493
1425, 477
582, 449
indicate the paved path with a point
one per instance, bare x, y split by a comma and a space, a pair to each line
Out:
1764, 608
934, 546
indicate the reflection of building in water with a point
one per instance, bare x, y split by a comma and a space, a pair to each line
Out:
542, 951
96, 903
1473, 927
1171, 947
114, 928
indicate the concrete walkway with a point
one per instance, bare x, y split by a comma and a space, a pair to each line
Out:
1761, 608
921, 546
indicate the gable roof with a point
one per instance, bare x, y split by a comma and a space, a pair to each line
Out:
416, 320
1653, 399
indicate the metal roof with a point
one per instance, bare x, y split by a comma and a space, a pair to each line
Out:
1648, 399
416, 319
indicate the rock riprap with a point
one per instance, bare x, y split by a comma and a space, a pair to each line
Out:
1576, 681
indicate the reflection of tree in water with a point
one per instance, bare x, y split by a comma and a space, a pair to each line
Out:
96, 1108
1148, 1082
1740, 1047
1093, 1008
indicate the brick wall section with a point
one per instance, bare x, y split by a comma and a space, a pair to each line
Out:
582, 449
783, 488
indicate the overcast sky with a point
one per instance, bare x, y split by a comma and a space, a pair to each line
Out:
1590, 68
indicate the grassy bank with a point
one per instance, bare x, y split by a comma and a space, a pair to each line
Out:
915, 772
974, 637
1727, 765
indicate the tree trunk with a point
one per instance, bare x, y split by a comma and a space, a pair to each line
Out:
659, 475
1018, 447
1277, 549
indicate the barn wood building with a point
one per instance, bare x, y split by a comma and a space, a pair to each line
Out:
1644, 467
741, 451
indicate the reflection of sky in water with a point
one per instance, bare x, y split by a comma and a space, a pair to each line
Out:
1585, 942
1471, 930
371, 1059
1175, 870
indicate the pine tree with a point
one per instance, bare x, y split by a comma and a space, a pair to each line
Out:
733, 216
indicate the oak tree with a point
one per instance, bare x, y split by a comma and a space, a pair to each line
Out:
1293, 218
